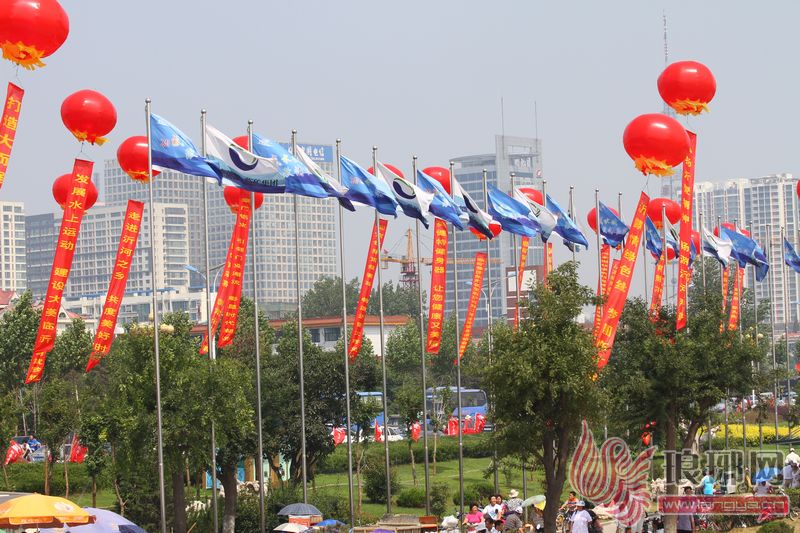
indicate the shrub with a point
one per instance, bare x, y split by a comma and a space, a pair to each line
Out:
375, 481
440, 494
475, 492
411, 497
775, 527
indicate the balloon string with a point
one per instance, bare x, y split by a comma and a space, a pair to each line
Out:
83, 143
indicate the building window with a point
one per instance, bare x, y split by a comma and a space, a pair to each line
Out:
331, 334
314, 335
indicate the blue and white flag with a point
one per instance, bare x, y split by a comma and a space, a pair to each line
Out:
654, 238
547, 221
332, 187
173, 150
442, 205
719, 248
479, 219
513, 216
747, 251
414, 202
790, 256
240, 167
612, 228
565, 226
365, 189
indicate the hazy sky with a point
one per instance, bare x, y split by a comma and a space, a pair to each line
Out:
424, 78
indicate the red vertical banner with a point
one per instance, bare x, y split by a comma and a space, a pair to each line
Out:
614, 270
474, 298
373, 258
234, 297
733, 320
523, 261
62, 263
658, 287
226, 286
726, 272
687, 196
548, 259
621, 284
8, 126
131, 225
602, 283
438, 280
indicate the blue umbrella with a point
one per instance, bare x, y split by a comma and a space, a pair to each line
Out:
107, 522
299, 509
330, 522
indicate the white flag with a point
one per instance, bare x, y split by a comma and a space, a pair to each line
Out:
240, 167
414, 201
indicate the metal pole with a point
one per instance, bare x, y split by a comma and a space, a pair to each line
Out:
664, 255
344, 346
572, 213
257, 332
600, 287
744, 392
724, 296
153, 280
545, 245
772, 333
786, 316
458, 371
489, 304
383, 349
423, 358
300, 333
516, 265
700, 251
211, 344
758, 342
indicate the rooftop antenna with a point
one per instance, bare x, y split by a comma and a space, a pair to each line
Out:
666, 47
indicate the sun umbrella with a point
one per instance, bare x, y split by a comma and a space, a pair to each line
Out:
329, 523
106, 522
299, 509
37, 510
291, 527
536, 501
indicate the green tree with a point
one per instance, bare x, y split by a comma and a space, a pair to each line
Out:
542, 376
397, 300
408, 404
18, 327
58, 419
71, 350
325, 297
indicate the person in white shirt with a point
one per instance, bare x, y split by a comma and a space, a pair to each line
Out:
787, 475
762, 488
580, 520
795, 476
792, 457
493, 509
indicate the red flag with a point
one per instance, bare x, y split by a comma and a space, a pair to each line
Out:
226, 285
687, 195
373, 257
15, 453
416, 431
77, 453
438, 279
621, 284
474, 299
480, 423
8, 126
116, 287
339, 435
239, 258
658, 288
378, 432
523, 260
452, 426
62, 263
733, 320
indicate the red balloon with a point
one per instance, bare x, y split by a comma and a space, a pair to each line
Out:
243, 141
132, 158
591, 218
647, 437
493, 226
89, 116
31, 30
672, 209
63, 186
696, 241
798, 189
390, 167
687, 87
670, 254
440, 174
731, 227
534, 195
233, 196
656, 143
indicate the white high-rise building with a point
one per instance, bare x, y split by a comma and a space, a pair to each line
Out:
762, 205
12, 247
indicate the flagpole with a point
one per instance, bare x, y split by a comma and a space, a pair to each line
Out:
544, 199
700, 251
345, 344
724, 296
211, 344
489, 295
786, 315
758, 342
517, 284
772, 332
572, 214
157, 355
665, 255
738, 288
458, 369
383, 348
300, 333
423, 357
600, 288
254, 261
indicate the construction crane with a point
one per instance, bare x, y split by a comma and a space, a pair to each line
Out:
409, 277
